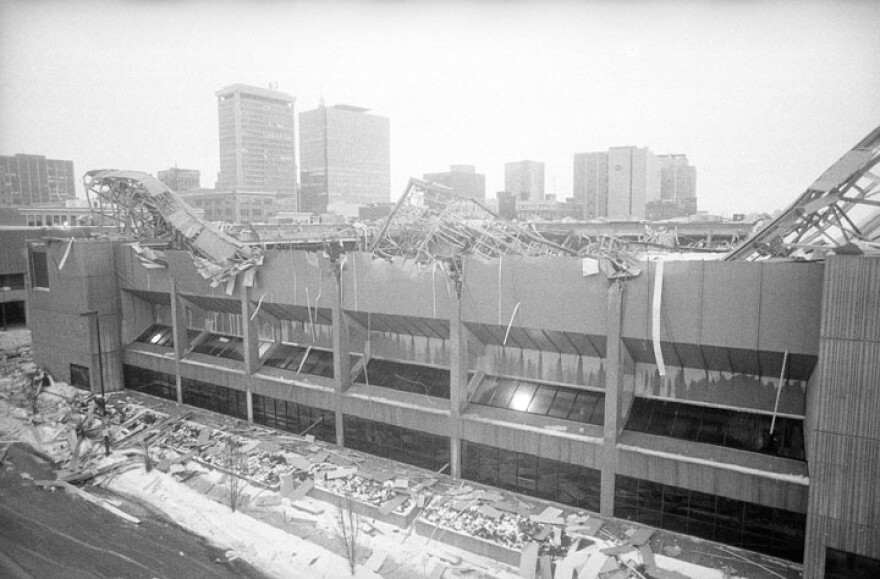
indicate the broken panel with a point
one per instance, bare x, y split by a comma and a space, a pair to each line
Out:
406, 377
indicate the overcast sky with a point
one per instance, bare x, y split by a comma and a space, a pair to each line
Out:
761, 96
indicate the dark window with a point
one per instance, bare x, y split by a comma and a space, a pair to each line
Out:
421, 449
12, 281
215, 398
293, 417
844, 565
722, 427
301, 359
79, 377
406, 377
158, 335
768, 530
543, 399
40, 269
221, 346
531, 475
150, 382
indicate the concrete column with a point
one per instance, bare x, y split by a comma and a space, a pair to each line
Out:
613, 395
178, 328
458, 383
341, 350
250, 338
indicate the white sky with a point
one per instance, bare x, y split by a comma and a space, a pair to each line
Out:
761, 96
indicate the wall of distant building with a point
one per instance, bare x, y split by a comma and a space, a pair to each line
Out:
34, 179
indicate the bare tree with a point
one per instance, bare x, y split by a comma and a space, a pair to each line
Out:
233, 461
348, 528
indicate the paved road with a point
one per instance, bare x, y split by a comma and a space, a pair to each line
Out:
44, 535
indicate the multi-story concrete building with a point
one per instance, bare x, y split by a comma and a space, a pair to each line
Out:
345, 157
34, 179
180, 180
463, 180
756, 429
525, 179
678, 182
616, 184
257, 140
233, 206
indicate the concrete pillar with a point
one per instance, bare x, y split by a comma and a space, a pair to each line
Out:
178, 328
458, 382
613, 395
251, 341
341, 349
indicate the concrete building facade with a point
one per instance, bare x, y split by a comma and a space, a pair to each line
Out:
345, 157
233, 206
525, 180
463, 179
27, 180
754, 429
616, 184
257, 140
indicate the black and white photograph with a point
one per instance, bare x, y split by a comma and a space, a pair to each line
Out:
477, 289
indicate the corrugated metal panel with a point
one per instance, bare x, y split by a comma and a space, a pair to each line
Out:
849, 391
827, 532
845, 478
852, 298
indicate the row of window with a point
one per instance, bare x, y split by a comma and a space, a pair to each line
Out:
776, 532
296, 418
301, 359
718, 426
195, 393
565, 483
542, 399
421, 449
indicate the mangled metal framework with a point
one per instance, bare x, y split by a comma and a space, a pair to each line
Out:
431, 224
839, 212
146, 209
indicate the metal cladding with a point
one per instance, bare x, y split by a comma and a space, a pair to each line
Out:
146, 209
839, 212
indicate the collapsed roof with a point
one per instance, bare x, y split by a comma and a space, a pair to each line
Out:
146, 209
838, 212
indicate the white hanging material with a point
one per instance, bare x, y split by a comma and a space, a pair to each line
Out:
655, 318
779, 391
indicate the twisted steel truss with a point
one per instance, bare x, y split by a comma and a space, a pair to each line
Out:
839, 212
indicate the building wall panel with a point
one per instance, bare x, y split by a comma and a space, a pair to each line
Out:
406, 417
846, 471
731, 304
580, 452
830, 532
791, 307
296, 278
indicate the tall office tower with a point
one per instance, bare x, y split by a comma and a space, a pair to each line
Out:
34, 179
590, 187
616, 184
257, 140
463, 179
678, 181
181, 180
525, 179
345, 157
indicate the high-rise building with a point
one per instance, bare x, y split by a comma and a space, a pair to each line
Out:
257, 140
463, 179
345, 157
616, 184
525, 179
181, 180
678, 180
34, 180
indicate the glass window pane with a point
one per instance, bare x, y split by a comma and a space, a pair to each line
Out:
562, 403
522, 397
542, 400
582, 409
503, 393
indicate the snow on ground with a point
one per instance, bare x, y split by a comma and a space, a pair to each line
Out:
261, 545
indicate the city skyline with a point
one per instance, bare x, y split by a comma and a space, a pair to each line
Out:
760, 97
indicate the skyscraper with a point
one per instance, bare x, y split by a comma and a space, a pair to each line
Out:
345, 155
34, 179
616, 184
463, 179
678, 180
257, 140
525, 179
